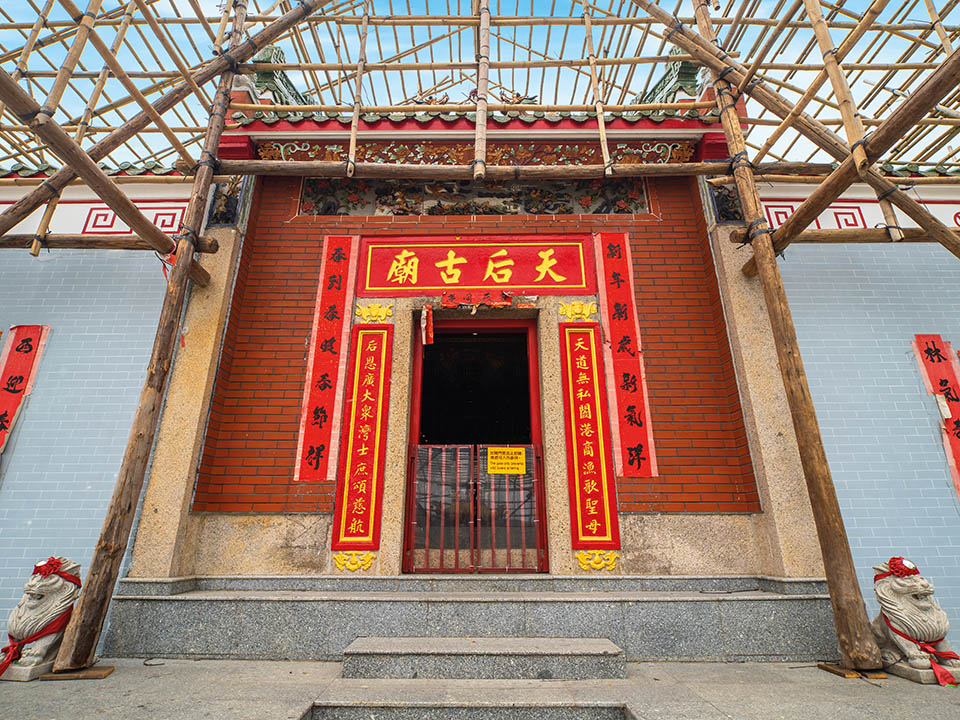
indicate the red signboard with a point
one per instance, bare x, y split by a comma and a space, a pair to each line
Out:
319, 417
519, 264
356, 515
593, 500
18, 367
632, 431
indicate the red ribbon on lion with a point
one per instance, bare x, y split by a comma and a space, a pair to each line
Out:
944, 676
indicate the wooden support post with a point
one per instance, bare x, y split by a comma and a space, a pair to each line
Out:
846, 46
83, 631
25, 107
483, 88
595, 87
355, 120
934, 87
857, 646
60, 179
85, 22
849, 235
64, 241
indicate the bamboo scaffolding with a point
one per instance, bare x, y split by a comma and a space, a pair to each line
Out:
82, 633
846, 46
857, 646
817, 179
467, 107
849, 235
26, 205
172, 52
93, 241
774, 37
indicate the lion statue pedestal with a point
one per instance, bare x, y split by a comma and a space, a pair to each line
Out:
35, 627
911, 629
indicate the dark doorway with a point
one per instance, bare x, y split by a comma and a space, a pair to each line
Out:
476, 390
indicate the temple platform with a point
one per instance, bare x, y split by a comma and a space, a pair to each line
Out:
730, 618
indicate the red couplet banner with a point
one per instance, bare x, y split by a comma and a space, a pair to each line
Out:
319, 418
356, 515
633, 451
518, 264
941, 374
593, 498
18, 367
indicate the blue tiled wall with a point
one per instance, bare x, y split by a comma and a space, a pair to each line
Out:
856, 309
59, 468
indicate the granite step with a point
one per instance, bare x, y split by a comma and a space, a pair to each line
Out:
483, 657
386, 699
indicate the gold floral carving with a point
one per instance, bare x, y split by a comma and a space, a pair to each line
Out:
375, 313
597, 559
578, 310
353, 560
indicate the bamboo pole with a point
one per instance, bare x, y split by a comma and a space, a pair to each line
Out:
65, 241
483, 89
857, 646
110, 58
865, 24
25, 107
816, 179
848, 111
85, 25
21, 69
930, 91
118, 179
849, 235
83, 631
595, 88
852, 125
56, 182
355, 120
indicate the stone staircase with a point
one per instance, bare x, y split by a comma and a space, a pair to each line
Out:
414, 678
727, 618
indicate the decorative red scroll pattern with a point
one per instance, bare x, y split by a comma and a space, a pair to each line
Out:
319, 419
18, 367
356, 515
593, 502
633, 449
941, 374
535, 265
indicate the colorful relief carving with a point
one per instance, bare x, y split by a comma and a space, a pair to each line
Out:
321, 196
374, 313
461, 153
353, 561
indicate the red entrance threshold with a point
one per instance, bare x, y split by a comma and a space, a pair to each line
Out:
467, 463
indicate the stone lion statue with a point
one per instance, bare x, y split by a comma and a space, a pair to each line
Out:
911, 627
36, 624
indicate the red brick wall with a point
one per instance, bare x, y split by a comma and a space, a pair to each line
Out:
248, 459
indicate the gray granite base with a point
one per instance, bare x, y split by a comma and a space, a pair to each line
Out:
924, 676
483, 658
714, 623
25, 673
466, 712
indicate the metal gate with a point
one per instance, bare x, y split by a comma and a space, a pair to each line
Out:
462, 518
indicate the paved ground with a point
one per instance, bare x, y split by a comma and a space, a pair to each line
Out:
246, 690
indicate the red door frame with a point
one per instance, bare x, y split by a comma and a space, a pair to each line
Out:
484, 327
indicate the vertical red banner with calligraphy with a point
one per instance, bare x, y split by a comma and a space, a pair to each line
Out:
18, 368
319, 415
941, 375
593, 499
356, 515
633, 449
